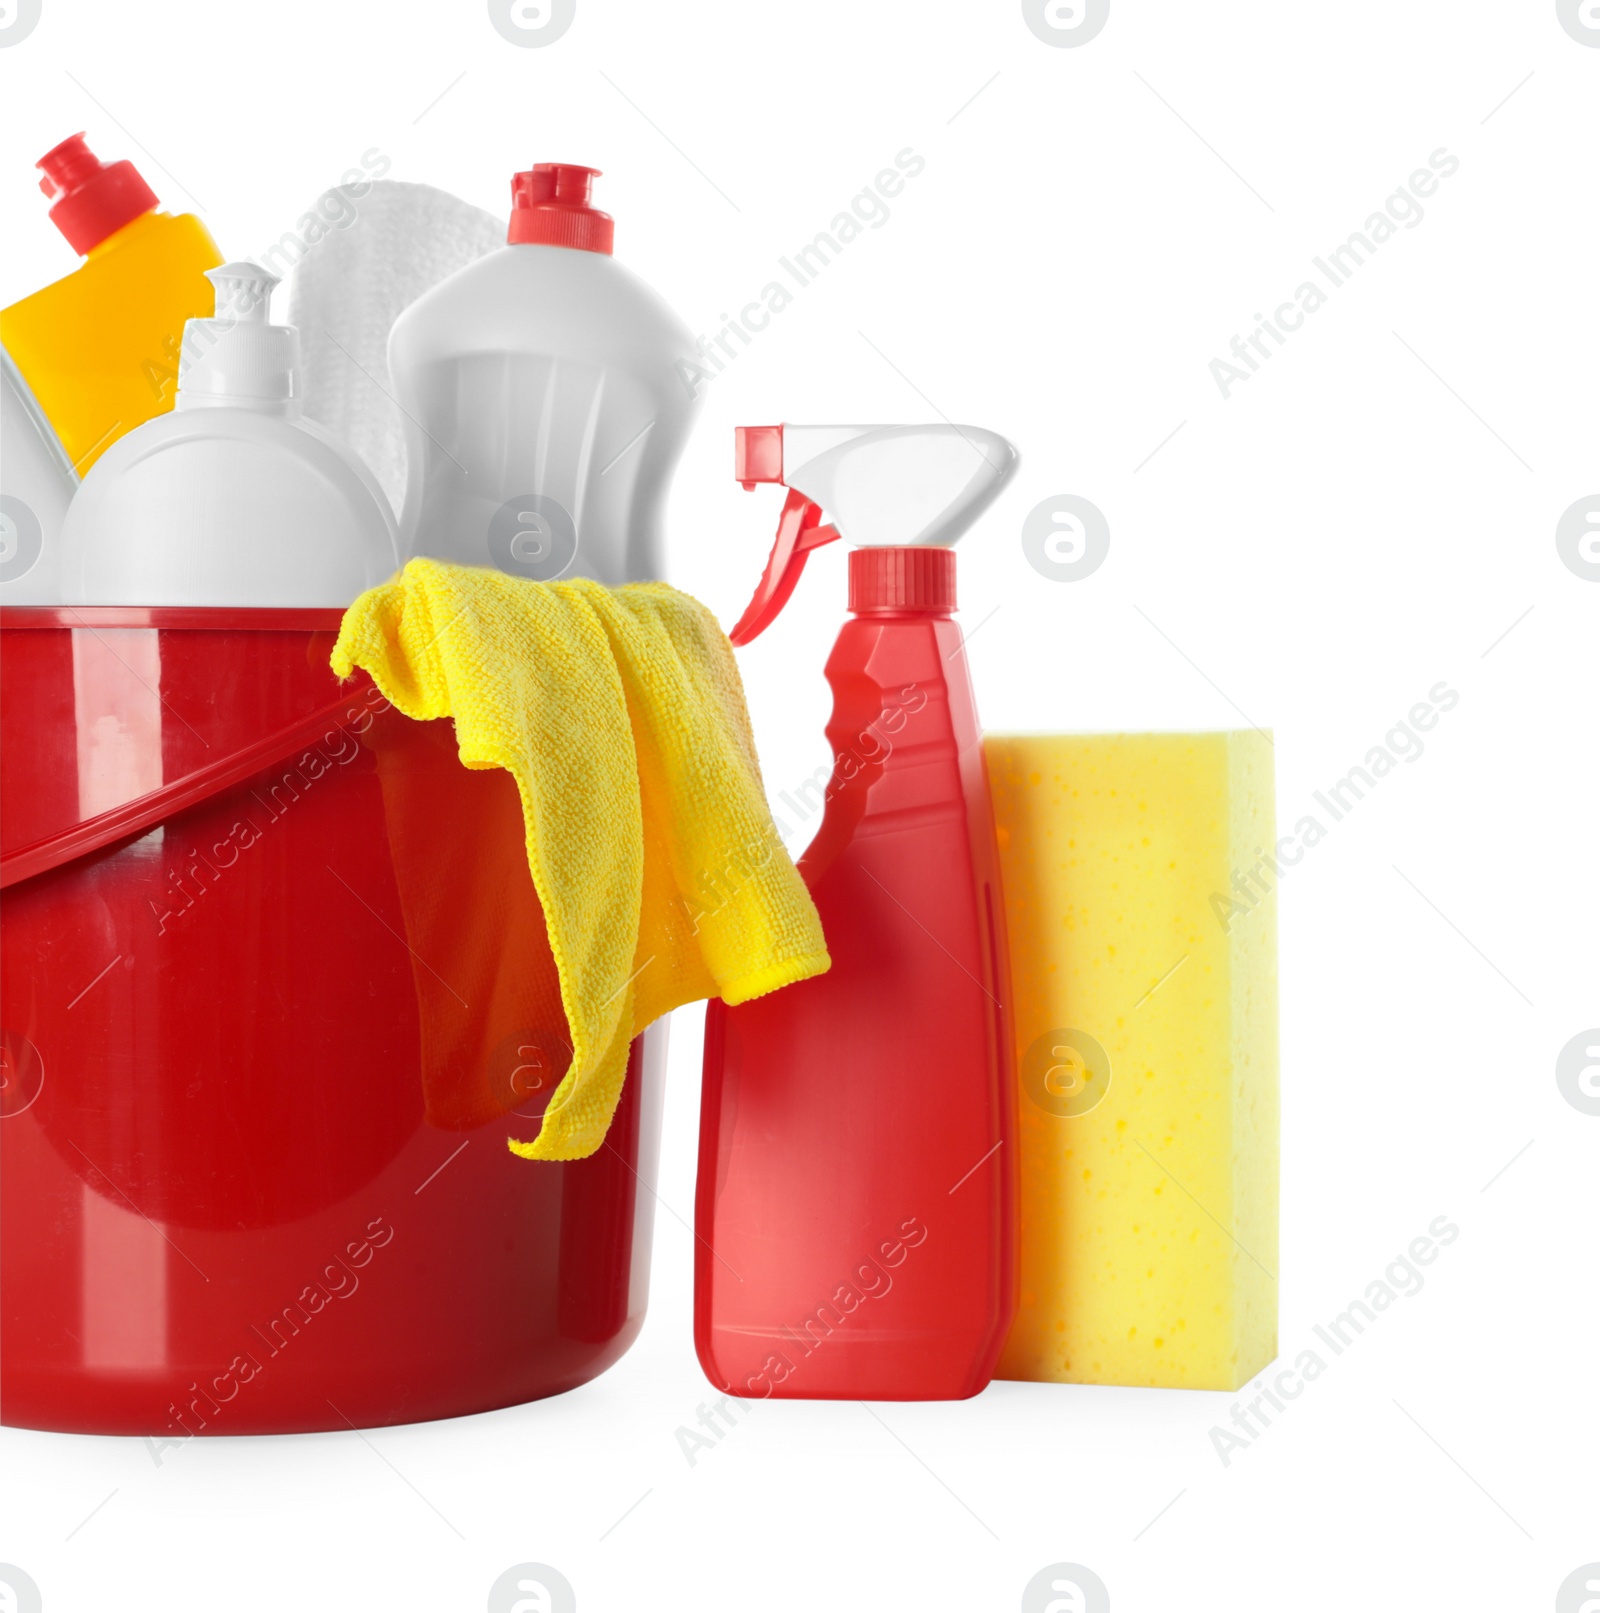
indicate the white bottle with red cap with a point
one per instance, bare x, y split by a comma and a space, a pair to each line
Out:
543, 393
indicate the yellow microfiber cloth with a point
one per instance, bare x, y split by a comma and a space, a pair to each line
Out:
620, 714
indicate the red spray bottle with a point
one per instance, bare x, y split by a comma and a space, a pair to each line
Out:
856, 1200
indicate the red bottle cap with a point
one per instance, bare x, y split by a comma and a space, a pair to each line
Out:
93, 199
902, 579
550, 207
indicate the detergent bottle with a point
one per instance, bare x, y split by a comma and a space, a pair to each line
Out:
98, 349
855, 1206
234, 498
36, 486
544, 394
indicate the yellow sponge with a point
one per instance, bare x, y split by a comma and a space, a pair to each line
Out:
1140, 889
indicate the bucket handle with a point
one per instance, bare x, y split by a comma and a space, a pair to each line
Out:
145, 811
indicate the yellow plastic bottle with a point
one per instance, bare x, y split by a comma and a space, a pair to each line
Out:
98, 349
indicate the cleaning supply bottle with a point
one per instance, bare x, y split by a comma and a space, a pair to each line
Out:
36, 486
855, 1205
234, 498
394, 241
98, 348
544, 392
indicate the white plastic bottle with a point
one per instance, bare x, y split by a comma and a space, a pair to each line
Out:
37, 482
546, 410
234, 498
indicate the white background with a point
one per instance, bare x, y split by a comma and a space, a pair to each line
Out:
1374, 512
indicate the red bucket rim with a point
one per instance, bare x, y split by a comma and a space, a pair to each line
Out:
134, 817
175, 618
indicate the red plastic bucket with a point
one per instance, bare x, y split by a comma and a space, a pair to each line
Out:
274, 989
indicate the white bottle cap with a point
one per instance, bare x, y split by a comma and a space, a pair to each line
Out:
237, 356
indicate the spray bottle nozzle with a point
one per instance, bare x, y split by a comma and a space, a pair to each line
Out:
889, 487
757, 455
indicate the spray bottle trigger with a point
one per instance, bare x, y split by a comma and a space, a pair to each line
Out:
799, 532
